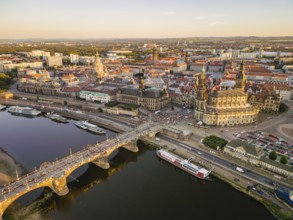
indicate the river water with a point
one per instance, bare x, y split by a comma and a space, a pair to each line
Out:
137, 186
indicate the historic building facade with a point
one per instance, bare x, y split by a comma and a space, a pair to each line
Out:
151, 98
268, 103
266, 97
224, 107
45, 85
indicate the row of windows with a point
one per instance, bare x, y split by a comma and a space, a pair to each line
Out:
230, 98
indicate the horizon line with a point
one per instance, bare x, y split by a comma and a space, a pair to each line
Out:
118, 38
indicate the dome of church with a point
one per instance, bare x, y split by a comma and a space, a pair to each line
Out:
45, 75
99, 71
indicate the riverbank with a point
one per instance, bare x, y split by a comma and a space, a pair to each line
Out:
8, 167
242, 184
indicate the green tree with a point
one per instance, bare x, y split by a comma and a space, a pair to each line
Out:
283, 107
273, 155
214, 142
5, 80
284, 159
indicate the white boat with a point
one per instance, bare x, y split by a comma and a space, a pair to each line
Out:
80, 124
90, 127
24, 111
56, 117
96, 130
184, 164
2, 107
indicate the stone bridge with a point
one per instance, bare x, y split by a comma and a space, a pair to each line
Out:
54, 174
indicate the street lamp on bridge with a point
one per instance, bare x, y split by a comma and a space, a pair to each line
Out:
17, 176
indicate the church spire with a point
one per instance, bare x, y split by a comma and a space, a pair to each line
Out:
203, 70
201, 92
155, 54
240, 77
242, 67
202, 75
186, 57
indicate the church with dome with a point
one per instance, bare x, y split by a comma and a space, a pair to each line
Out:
98, 72
224, 107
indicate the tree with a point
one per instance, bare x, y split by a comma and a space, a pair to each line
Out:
273, 155
5, 80
284, 159
283, 107
215, 142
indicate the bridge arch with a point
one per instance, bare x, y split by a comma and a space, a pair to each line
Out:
6, 203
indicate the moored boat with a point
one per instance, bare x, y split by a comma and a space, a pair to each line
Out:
80, 124
24, 111
184, 164
90, 127
2, 107
56, 117
96, 130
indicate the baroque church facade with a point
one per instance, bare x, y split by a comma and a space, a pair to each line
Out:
98, 72
225, 107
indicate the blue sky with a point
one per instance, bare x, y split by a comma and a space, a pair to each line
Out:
148, 18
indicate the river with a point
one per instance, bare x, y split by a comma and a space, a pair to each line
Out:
137, 186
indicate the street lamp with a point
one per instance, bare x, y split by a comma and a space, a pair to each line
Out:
17, 177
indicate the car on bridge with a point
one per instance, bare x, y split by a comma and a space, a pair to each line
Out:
239, 169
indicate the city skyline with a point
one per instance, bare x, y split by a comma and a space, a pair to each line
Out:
141, 19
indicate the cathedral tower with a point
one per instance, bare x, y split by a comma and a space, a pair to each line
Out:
141, 85
186, 57
201, 97
240, 78
201, 93
155, 54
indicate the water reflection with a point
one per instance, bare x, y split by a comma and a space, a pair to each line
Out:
47, 201
137, 185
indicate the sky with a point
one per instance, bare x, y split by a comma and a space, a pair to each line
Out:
21, 19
